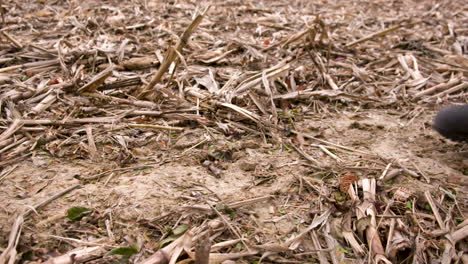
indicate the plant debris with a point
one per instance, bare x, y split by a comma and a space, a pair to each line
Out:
231, 131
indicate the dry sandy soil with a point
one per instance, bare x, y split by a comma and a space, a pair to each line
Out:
334, 114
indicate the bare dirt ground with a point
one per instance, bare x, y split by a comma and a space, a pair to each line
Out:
274, 131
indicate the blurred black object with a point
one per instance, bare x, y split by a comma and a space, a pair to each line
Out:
452, 122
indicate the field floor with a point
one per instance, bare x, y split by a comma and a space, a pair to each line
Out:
152, 131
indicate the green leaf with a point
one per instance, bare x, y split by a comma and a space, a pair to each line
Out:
224, 208
176, 233
239, 246
179, 230
167, 241
76, 213
124, 251
281, 211
362, 224
342, 250
428, 207
409, 205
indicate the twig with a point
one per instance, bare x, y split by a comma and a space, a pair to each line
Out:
172, 54
375, 35
49, 200
202, 250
